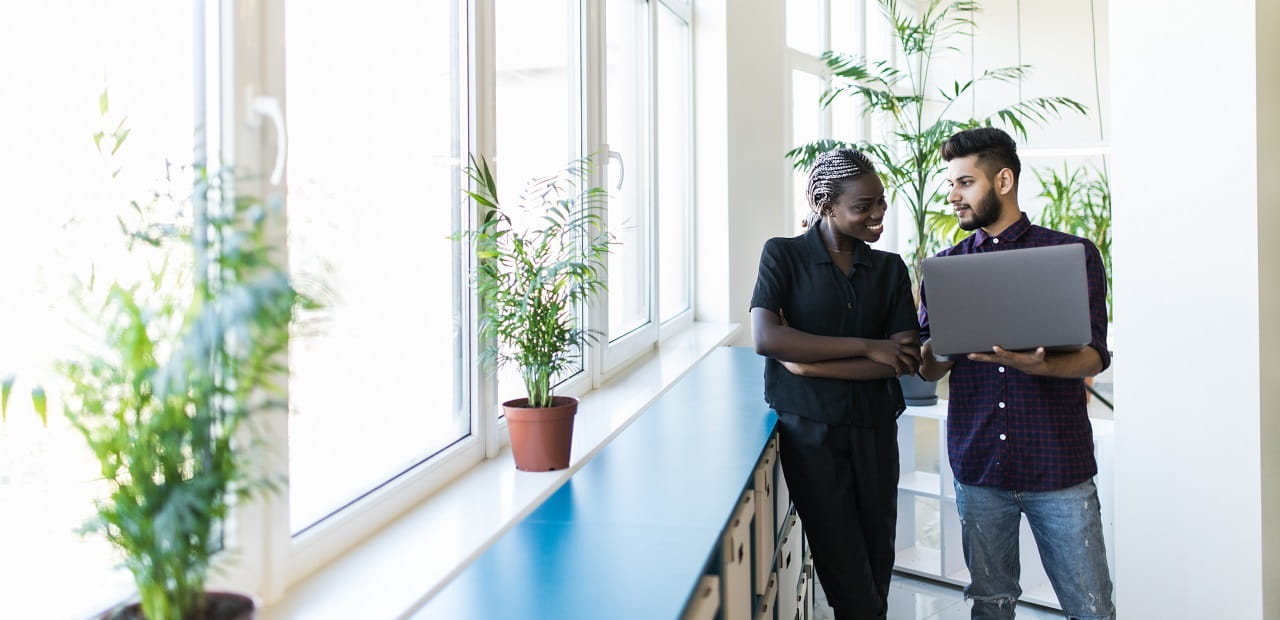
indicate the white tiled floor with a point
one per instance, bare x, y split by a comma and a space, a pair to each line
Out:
917, 599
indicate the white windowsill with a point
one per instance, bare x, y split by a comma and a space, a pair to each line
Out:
392, 572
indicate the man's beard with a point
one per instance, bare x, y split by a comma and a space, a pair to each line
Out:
983, 213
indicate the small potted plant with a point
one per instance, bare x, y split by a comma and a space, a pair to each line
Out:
538, 261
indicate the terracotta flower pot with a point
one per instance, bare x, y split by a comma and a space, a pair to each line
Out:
541, 436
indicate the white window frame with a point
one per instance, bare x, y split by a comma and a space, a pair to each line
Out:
247, 63
267, 557
807, 63
619, 353
869, 12
684, 12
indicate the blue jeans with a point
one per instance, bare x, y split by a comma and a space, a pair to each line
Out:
1067, 525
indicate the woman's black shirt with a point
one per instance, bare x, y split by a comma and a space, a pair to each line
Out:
798, 278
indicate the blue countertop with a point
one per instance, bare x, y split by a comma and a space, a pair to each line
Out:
631, 532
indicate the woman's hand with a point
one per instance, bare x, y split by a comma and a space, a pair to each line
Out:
900, 355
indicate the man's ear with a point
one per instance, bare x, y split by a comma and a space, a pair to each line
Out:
1004, 181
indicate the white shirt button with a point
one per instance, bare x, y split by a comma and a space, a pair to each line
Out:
1001, 405
1001, 436
995, 240
1001, 369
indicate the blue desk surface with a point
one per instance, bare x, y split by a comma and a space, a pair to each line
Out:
629, 534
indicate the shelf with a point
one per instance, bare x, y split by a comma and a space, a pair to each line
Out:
937, 411
919, 560
920, 483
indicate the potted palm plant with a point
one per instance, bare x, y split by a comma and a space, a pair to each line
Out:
183, 360
908, 157
538, 261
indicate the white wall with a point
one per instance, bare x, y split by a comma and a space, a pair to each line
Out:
1065, 43
1192, 279
1268, 116
1060, 40
741, 185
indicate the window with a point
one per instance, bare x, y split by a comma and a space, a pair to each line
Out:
627, 139
675, 189
362, 124
806, 26
372, 196
647, 139
814, 26
84, 71
538, 101
806, 126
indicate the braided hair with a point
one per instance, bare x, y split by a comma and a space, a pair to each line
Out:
827, 178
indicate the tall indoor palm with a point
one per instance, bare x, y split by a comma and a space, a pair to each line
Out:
922, 114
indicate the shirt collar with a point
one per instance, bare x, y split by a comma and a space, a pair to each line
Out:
1013, 233
818, 250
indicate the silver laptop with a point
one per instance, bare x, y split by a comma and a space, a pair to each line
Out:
1016, 299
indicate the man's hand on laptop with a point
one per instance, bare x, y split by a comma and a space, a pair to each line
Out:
1031, 363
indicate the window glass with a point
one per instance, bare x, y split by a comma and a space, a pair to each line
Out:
373, 195
674, 165
846, 26
538, 105
804, 26
805, 128
625, 112
57, 224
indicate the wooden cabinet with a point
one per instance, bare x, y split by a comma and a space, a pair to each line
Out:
764, 568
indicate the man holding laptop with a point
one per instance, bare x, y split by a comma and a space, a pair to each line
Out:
1018, 434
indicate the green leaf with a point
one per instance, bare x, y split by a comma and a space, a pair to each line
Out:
120, 138
102, 102
40, 404
6, 386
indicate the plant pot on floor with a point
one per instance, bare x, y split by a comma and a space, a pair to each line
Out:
217, 606
541, 437
918, 392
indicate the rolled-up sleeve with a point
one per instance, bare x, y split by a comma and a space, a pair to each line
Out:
1097, 278
770, 288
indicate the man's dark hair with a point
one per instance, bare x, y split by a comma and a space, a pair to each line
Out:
995, 149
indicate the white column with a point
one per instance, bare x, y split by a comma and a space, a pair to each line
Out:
1267, 35
741, 170
1195, 144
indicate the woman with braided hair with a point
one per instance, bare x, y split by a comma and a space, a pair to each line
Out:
836, 321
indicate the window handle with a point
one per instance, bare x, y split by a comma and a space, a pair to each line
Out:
622, 166
269, 107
